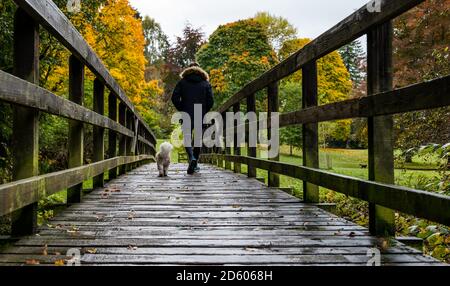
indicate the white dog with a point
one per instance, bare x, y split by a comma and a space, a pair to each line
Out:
163, 158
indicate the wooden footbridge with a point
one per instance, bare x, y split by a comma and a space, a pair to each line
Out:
220, 216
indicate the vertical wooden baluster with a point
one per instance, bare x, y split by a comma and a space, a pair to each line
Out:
76, 136
99, 132
251, 151
380, 128
227, 147
129, 151
310, 130
112, 136
25, 135
273, 105
123, 138
237, 145
222, 149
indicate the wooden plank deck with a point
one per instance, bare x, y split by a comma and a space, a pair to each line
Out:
213, 218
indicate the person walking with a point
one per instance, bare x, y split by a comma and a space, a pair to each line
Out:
193, 89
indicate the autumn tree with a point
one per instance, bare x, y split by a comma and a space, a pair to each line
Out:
334, 85
235, 54
422, 52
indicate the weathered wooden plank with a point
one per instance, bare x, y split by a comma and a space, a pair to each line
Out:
49, 16
419, 203
25, 137
216, 251
352, 27
380, 128
35, 188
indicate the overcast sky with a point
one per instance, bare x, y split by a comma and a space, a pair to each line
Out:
310, 17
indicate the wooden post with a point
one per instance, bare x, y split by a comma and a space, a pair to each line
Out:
112, 136
380, 128
310, 130
237, 145
129, 150
25, 135
99, 132
123, 138
251, 151
227, 148
273, 105
76, 140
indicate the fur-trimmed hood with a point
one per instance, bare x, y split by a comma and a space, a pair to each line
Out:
198, 71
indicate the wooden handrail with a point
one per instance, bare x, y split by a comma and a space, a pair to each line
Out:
378, 107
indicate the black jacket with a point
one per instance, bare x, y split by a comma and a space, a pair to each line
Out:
193, 88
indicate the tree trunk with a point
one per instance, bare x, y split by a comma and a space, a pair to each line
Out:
291, 150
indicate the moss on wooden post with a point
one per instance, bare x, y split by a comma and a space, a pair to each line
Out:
25, 135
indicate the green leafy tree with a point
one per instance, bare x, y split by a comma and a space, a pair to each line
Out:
157, 41
278, 29
235, 54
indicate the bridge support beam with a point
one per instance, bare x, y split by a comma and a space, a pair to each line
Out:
310, 134
273, 105
380, 128
25, 135
112, 136
251, 151
76, 137
98, 132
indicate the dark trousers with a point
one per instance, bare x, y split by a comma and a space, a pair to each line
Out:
193, 152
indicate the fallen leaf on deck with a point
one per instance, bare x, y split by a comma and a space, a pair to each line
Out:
60, 262
45, 250
352, 234
132, 247
32, 262
57, 253
91, 250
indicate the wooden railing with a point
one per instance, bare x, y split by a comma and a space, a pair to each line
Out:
378, 107
130, 140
